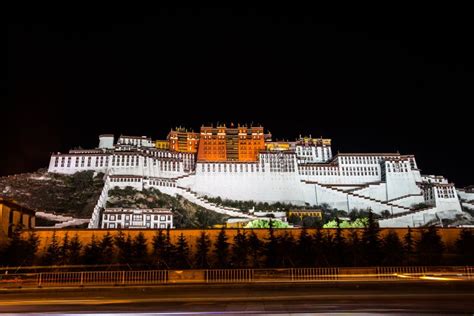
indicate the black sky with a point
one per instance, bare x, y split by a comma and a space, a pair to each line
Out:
379, 86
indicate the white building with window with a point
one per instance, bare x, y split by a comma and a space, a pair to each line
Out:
306, 173
118, 218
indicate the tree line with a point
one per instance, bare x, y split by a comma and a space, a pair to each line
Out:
247, 250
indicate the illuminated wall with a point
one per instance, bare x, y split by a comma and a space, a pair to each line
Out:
223, 143
182, 140
12, 215
162, 144
448, 235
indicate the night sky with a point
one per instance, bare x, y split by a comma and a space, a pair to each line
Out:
380, 86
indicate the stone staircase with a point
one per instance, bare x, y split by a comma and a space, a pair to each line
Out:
404, 197
468, 204
184, 176
405, 213
72, 222
64, 221
364, 186
195, 198
384, 203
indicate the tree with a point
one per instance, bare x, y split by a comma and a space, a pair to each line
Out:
328, 248
295, 220
169, 253
360, 222
312, 221
221, 249
53, 252
284, 253
240, 250
203, 245
408, 247
159, 244
64, 250
265, 223
92, 252
124, 245
371, 241
140, 252
271, 248
340, 255
31, 247
392, 250
465, 247
319, 249
355, 248
255, 248
75, 247
19, 251
304, 249
430, 247
106, 248
182, 253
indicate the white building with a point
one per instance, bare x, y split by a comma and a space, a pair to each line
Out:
156, 218
307, 173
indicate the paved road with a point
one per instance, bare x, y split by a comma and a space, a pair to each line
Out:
382, 297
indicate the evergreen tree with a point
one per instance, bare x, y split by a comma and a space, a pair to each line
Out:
240, 250
169, 253
409, 247
221, 249
140, 252
339, 257
124, 245
304, 249
75, 247
64, 250
203, 245
92, 252
319, 247
119, 242
465, 247
285, 257
430, 247
255, 248
159, 245
12, 255
19, 251
392, 250
106, 247
31, 247
182, 253
355, 248
328, 249
52, 255
271, 248
371, 241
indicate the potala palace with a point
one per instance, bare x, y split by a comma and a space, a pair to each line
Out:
243, 163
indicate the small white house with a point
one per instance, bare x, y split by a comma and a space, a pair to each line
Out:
156, 218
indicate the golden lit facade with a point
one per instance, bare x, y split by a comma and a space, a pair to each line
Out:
314, 141
221, 143
162, 144
13, 215
182, 140
277, 146
306, 213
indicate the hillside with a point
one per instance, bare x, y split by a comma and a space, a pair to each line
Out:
42, 191
77, 194
186, 214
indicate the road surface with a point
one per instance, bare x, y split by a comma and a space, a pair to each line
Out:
370, 298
